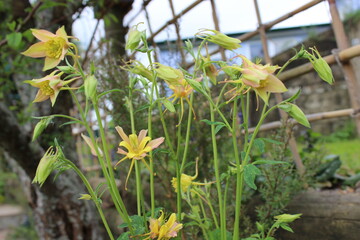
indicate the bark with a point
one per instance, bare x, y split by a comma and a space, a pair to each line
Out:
57, 211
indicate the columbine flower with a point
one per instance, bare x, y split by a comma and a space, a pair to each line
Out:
220, 39
52, 46
260, 78
46, 166
137, 147
187, 181
163, 230
49, 87
138, 68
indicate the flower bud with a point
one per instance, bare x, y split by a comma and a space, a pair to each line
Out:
90, 86
287, 218
169, 74
46, 166
40, 126
138, 68
85, 196
320, 65
220, 39
134, 37
295, 112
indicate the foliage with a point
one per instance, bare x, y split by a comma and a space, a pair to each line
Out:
161, 156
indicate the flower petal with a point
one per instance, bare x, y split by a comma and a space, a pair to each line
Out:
274, 85
51, 63
42, 35
122, 133
142, 134
36, 50
61, 32
40, 97
156, 142
121, 151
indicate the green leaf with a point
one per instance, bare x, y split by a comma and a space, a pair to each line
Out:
263, 161
218, 128
272, 141
259, 144
11, 26
250, 173
196, 85
143, 107
211, 122
286, 227
169, 106
14, 40
294, 97
124, 236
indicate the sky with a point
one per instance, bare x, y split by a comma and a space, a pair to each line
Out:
234, 16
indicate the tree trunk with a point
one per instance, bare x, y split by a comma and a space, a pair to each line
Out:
57, 211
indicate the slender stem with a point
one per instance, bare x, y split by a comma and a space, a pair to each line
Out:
217, 175
178, 173
93, 196
212, 210
239, 176
110, 168
187, 137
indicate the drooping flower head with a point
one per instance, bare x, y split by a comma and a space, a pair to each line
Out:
137, 147
187, 181
49, 87
162, 230
258, 77
52, 46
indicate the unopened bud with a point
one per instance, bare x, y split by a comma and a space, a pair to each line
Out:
46, 166
320, 65
287, 218
220, 39
134, 37
169, 74
90, 85
85, 196
40, 126
295, 112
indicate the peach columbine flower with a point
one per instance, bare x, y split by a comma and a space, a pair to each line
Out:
258, 77
52, 46
49, 87
137, 147
261, 78
163, 230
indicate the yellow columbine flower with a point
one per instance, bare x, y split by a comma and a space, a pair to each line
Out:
163, 230
187, 181
52, 46
49, 86
137, 147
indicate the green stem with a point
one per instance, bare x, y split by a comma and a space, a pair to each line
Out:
217, 176
93, 196
178, 173
187, 137
239, 176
